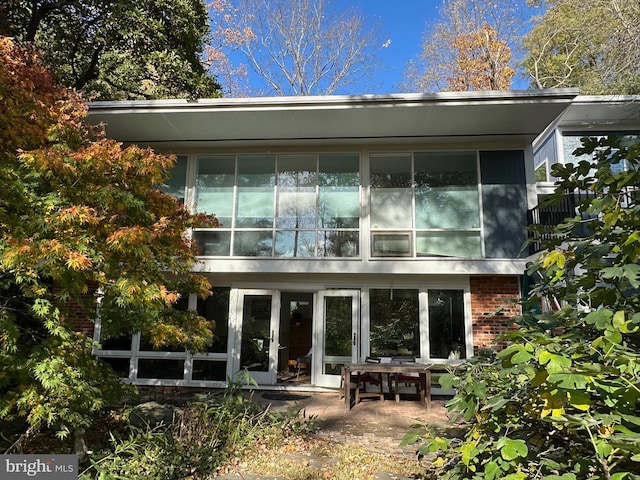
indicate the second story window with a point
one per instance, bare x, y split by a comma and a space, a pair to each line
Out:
287, 205
425, 204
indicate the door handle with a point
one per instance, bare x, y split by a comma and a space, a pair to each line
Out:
354, 339
272, 334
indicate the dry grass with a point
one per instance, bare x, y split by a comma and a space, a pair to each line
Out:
313, 458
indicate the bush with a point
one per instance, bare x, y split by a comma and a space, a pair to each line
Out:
208, 433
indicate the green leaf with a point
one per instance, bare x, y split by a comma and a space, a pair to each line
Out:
580, 400
600, 318
492, 470
512, 449
555, 363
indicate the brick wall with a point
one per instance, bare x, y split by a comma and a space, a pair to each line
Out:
79, 316
489, 294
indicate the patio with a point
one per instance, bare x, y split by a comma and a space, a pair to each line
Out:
379, 425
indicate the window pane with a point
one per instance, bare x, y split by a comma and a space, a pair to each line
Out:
296, 171
339, 170
297, 179
253, 244
256, 318
337, 327
176, 183
216, 308
395, 322
295, 243
209, 370
296, 207
391, 244
336, 243
391, 208
212, 243
391, 170
339, 207
214, 186
391, 195
449, 244
121, 366
446, 185
446, 324
160, 368
119, 343
256, 182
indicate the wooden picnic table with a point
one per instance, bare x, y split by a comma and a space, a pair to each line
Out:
422, 369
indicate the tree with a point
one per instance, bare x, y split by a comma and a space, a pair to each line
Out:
118, 49
594, 45
82, 222
482, 62
562, 400
474, 46
298, 47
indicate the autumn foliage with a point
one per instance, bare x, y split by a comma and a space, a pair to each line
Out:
482, 62
82, 222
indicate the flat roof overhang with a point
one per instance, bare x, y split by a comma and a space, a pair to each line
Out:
461, 117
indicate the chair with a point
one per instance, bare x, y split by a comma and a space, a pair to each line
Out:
303, 363
361, 380
400, 378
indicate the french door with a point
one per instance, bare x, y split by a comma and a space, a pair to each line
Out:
336, 334
258, 312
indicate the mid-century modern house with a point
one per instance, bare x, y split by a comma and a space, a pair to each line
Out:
382, 225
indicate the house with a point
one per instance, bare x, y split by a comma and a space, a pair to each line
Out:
386, 225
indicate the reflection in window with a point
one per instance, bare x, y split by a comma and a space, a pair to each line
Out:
209, 370
394, 322
119, 343
161, 368
216, 308
337, 328
256, 182
214, 186
297, 180
339, 191
121, 366
287, 205
337, 243
213, 242
253, 243
391, 194
176, 183
446, 324
448, 244
446, 186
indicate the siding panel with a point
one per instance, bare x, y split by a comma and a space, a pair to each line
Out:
504, 201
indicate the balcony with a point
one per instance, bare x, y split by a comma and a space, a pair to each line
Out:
546, 218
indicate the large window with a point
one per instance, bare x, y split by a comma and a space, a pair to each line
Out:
395, 329
135, 358
432, 195
287, 205
394, 322
446, 324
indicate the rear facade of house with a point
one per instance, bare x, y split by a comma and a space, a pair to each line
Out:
351, 226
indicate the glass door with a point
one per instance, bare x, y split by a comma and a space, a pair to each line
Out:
259, 311
336, 334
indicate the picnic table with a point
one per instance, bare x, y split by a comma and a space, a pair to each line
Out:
422, 369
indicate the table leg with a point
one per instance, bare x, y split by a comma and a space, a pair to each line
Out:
423, 386
346, 374
428, 389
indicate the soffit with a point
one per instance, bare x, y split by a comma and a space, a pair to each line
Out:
439, 118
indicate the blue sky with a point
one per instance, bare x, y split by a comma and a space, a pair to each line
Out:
404, 23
